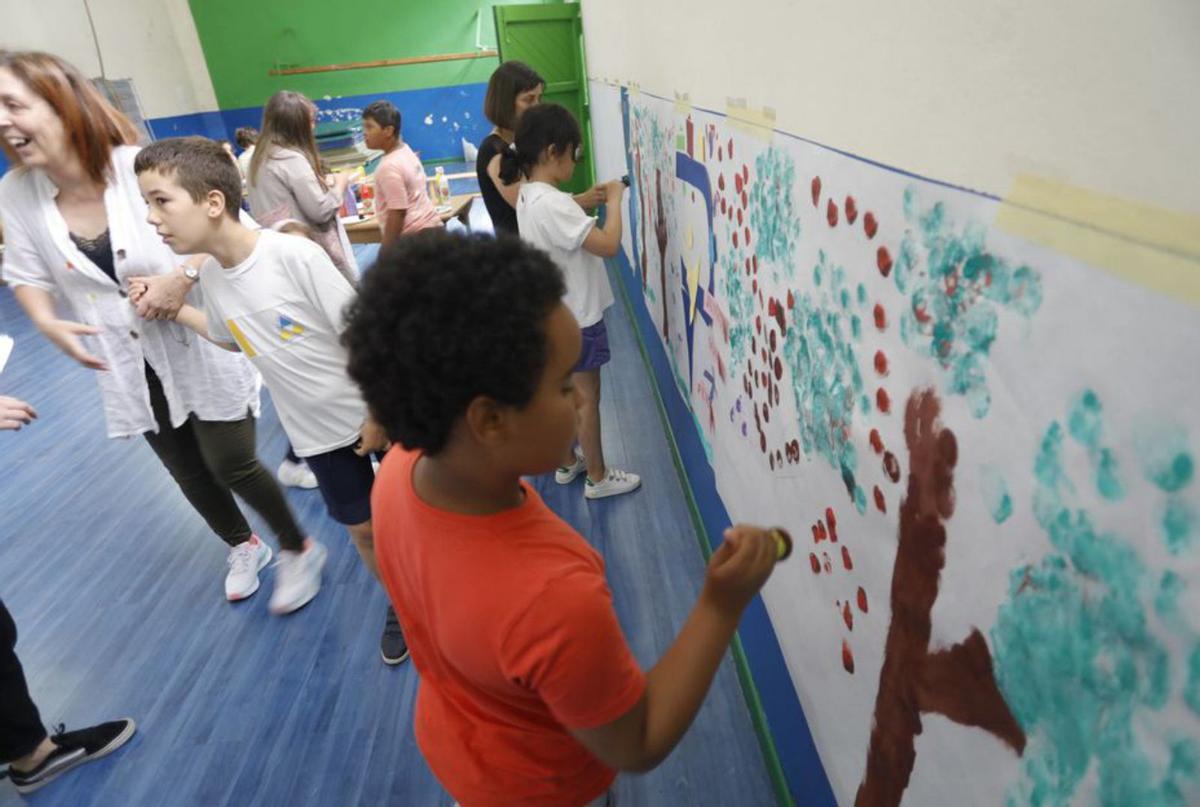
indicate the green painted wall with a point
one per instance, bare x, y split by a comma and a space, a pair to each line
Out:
243, 39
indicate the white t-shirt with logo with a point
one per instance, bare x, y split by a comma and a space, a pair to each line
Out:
552, 221
283, 306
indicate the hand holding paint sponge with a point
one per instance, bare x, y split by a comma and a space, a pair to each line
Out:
783, 543
741, 565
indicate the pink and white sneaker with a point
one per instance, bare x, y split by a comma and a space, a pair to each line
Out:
245, 561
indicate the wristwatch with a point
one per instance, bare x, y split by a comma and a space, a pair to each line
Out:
191, 273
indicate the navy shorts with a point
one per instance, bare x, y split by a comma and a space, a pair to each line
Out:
345, 480
594, 354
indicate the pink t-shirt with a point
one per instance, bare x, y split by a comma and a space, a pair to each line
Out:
400, 184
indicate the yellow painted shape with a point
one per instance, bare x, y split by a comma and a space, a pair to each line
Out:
693, 279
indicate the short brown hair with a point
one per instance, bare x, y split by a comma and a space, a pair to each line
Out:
198, 164
245, 136
94, 127
507, 82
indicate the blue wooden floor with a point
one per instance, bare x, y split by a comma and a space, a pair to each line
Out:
116, 587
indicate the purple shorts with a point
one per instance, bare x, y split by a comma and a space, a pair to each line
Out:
595, 348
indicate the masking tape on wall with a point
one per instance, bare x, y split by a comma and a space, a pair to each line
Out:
1147, 245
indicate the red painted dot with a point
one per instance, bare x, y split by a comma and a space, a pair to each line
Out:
735, 235
747, 266
762, 442
745, 201
862, 601
739, 217
816, 190
822, 533
791, 300
766, 414
846, 560
731, 148
737, 183
851, 209
880, 317
745, 171
884, 261
880, 502
831, 520
747, 236
847, 658
816, 564
881, 363
773, 341
848, 616
876, 441
869, 224
883, 401
831, 213
891, 467
721, 182
816, 534
754, 258
778, 367
722, 205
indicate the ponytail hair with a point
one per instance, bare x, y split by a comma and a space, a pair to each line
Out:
541, 127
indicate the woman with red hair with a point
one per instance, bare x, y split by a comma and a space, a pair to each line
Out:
75, 232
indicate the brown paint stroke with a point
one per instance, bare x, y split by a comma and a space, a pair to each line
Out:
642, 214
660, 235
955, 682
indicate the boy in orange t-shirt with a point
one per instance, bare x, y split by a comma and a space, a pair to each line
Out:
529, 693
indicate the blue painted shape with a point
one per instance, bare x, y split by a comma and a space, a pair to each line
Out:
695, 174
806, 778
631, 172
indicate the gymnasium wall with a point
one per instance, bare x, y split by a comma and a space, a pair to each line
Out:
920, 282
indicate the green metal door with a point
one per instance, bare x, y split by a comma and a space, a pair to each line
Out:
549, 38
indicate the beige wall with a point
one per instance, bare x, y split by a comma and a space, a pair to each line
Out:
1103, 95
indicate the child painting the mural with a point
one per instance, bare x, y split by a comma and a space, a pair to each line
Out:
547, 147
529, 693
278, 299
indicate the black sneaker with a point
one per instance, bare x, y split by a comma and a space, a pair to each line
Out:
392, 646
74, 749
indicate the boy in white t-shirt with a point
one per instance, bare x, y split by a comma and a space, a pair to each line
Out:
547, 146
278, 299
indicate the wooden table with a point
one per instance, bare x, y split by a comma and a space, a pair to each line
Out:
366, 230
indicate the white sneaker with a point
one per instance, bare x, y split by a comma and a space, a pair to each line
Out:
296, 475
245, 561
614, 483
298, 578
566, 474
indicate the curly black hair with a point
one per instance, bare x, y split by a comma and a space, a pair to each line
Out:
442, 319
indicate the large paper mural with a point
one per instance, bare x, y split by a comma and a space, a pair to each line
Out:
988, 446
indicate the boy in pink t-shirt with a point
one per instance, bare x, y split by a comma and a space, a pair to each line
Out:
528, 691
402, 204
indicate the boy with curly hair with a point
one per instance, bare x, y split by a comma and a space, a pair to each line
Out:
528, 691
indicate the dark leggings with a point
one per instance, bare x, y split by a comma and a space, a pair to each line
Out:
21, 729
212, 460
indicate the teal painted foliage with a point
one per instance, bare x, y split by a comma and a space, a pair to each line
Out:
773, 214
1074, 652
954, 302
827, 382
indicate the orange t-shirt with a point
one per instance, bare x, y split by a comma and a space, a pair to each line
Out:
512, 628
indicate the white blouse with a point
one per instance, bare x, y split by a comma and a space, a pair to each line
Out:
197, 377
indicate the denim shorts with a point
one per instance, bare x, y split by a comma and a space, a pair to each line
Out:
595, 348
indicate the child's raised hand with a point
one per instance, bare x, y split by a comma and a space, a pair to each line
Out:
740, 567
